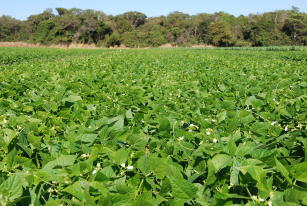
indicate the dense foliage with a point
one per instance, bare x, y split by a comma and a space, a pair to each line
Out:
135, 29
152, 127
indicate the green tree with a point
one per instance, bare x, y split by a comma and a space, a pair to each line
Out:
220, 34
122, 25
135, 18
13, 30
296, 27
62, 11
44, 32
112, 40
284, 27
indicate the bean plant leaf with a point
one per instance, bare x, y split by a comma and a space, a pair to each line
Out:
182, 189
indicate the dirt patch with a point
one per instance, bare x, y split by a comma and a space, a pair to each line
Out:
168, 45
202, 46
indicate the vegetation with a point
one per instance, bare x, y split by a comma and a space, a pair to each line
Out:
153, 127
135, 29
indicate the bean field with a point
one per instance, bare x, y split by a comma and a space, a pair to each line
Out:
146, 127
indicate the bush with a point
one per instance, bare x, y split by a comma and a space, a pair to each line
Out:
111, 40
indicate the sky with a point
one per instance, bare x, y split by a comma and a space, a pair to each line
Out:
21, 9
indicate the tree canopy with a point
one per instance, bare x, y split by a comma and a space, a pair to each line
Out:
135, 29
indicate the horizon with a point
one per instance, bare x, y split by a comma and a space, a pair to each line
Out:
150, 9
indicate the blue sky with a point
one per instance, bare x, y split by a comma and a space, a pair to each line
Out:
21, 9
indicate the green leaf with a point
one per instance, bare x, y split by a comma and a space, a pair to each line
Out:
35, 197
62, 161
120, 156
234, 174
76, 190
164, 124
12, 188
221, 116
144, 199
259, 174
87, 138
72, 99
283, 170
144, 164
182, 189
11, 157
295, 196
260, 128
117, 123
129, 114
302, 177
252, 100
164, 167
211, 178
9, 135
138, 141
299, 171
221, 161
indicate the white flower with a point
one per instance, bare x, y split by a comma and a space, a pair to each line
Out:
181, 122
286, 128
123, 165
4, 121
254, 197
261, 200
214, 140
180, 138
209, 131
193, 126
130, 167
98, 165
201, 142
190, 130
273, 123
270, 203
94, 171
85, 155
213, 120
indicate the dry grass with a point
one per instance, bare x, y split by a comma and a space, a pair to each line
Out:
202, 46
168, 45
18, 44
61, 46
85, 46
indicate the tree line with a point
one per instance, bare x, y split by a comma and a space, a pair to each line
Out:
135, 29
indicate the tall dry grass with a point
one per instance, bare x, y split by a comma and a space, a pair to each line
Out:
61, 46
